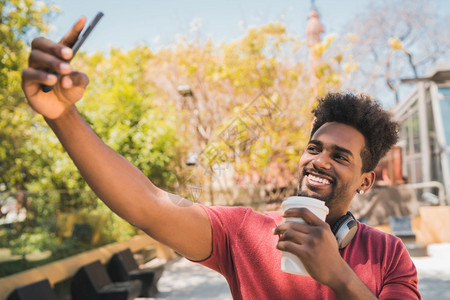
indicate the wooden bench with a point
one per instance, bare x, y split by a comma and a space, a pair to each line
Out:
402, 228
93, 282
123, 267
39, 290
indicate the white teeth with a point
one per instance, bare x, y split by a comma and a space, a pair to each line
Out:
318, 179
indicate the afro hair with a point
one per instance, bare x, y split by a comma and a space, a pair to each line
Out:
364, 114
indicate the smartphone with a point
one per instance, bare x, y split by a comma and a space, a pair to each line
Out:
78, 44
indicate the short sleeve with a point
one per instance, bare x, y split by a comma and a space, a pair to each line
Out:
401, 275
225, 222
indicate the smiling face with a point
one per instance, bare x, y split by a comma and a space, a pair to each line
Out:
331, 167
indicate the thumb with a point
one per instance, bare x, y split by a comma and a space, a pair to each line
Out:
71, 87
309, 217
79, 79
70, 38
73, 80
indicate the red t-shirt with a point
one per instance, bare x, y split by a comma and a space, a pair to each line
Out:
244, 253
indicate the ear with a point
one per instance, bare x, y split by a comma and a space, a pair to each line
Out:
367, 181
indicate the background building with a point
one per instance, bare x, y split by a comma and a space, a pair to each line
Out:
425, 135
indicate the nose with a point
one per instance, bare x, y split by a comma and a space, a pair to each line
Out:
322, 161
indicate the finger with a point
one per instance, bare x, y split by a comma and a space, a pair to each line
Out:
30, 75
289, 246
52, 48
305, 228
294, 236
74, 80
73, 34
310, 218
78, 79
33, 79
304, 213
45, 61
66, 82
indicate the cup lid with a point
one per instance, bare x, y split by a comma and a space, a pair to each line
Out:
303, 201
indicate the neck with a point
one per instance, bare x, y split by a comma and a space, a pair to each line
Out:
334, 215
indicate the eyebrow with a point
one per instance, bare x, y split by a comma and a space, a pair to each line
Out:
334, 147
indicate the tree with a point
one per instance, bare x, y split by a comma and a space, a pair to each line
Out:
125, 110
18, 20
394, 40
34, 169
249, 101
20, 152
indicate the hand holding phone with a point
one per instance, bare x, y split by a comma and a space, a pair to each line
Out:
78, 44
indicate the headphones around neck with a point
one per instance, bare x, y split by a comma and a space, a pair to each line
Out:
345, 229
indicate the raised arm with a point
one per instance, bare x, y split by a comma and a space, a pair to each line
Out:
168, 218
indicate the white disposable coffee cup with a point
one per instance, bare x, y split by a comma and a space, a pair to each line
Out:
290, 263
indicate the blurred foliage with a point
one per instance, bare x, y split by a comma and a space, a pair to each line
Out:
32, 160
18, 155
250, 102
47, 228
120, 106
22, 159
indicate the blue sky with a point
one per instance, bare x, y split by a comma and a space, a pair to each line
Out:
156, 23
127, 24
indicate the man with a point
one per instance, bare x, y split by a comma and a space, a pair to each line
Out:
238, 242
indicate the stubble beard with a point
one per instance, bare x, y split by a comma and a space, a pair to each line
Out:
307, 193
331, 199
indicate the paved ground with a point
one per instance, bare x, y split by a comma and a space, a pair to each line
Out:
185, 280
434, 272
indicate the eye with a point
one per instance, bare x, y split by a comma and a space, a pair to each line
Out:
341, 158
313, 149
